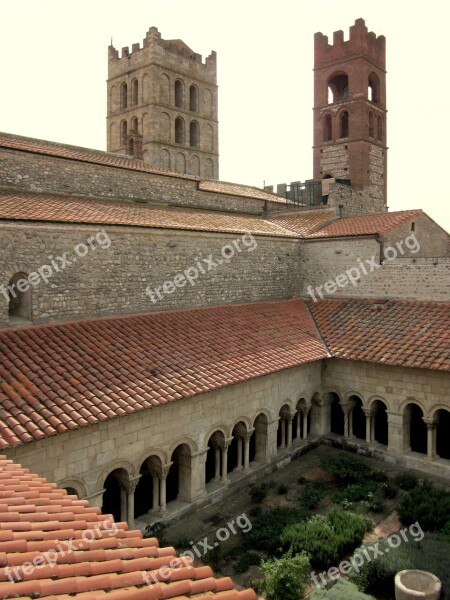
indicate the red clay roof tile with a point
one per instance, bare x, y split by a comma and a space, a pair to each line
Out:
189, 352
116, 573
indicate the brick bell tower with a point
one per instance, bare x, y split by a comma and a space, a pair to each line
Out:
350, 111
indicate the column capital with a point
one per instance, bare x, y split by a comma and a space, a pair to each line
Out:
163, 470
430, 423
369, 412
131, 485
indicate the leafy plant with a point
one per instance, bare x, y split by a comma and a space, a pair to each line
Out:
427, 505
285, 578
301, 480
157, 530
388, 490
326, 540
282, 489
379, 476
406, 481
311, 495
346, 468
259, 491
267, 528
245, 561
375, 503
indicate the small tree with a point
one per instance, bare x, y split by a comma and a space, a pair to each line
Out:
285, 578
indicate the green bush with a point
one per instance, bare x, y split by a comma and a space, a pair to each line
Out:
311, 495
259, 491
326, 540
432, 554
301, 480
339, 590
282, 489
285, 578
255, 511
268, 527
375, 503
427, 505
406, 481
245, 561
346, 468
357, 491
379, 476
388, 490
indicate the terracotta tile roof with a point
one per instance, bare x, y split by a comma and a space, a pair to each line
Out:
367, 224
400, 333
304, 223
36, 146
59, 377
236, 189
55, 546
43, 207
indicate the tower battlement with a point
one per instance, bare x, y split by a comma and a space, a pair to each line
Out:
361, 42
154, 47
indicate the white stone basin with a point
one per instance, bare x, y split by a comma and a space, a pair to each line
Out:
417, 585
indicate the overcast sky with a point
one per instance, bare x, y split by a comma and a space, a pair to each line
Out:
53, 69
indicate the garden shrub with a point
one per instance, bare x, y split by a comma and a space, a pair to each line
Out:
301, 480
375, 503
282, 489
268, 527
356, 491
255, 511
259, 491
406, 481
432, 554
339, 590
388, 490
245, 561
427, 505
346, 468
379, 476
312, 494
285, 578
326, 540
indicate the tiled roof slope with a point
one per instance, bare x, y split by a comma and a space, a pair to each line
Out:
305, 223
55, 546
56, 378
367, 224
36, 146
236, 189
400, 333
43, 207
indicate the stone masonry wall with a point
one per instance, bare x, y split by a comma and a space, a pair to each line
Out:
22, 171
356, 201
113, 281
409, 278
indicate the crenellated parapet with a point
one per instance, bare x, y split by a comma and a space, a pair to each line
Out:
360, 42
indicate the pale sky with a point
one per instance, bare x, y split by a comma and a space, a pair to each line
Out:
53, 68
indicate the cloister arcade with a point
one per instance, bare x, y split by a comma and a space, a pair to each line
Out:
165, 479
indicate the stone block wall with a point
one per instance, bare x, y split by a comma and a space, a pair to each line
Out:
113, 280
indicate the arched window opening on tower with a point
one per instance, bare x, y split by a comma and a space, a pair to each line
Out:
327, 129
134, 125
179, 130
193, 98
343, 124
371, 125
19, 303
373, 88
179, 93
380, 129
135, 92
123, 133
194, 135
123, 95
338, 88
